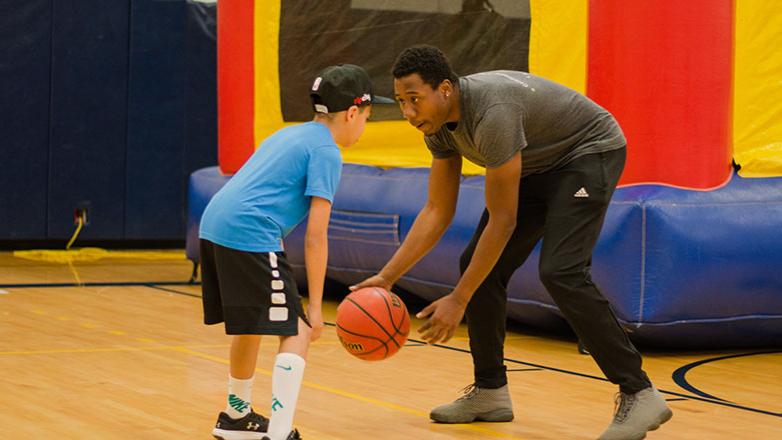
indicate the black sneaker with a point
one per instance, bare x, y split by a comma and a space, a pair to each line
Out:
294, 435
250, 427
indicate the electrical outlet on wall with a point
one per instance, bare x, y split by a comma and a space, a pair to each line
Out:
82, 210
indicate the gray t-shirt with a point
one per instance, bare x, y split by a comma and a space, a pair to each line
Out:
504, 112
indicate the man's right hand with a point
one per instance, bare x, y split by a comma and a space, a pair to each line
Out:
373, 281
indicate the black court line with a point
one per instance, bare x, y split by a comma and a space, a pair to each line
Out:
148, 283
412, 343
684, 369
679, 376
573, 373
153, 286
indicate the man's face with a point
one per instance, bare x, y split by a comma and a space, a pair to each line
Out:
425, 108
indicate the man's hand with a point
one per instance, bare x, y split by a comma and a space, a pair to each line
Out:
373, 281
315, 317
447, 313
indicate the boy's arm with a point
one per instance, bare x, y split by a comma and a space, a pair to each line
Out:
316, 254
430, 224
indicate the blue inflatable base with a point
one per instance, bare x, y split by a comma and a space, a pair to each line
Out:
682, 269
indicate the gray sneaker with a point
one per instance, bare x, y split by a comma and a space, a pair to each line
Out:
482, 404
635, 414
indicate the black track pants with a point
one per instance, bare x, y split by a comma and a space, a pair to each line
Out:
566, 208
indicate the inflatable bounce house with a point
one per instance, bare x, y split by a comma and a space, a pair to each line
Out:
691, 251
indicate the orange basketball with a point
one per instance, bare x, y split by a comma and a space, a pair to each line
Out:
372, 323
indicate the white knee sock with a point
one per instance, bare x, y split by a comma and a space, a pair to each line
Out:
286, 383
239, 393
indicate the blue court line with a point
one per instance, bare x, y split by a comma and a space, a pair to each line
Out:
154, 285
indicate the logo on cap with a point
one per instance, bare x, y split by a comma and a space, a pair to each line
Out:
366, 97
316, 84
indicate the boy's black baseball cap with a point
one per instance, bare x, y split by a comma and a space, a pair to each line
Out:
336, 88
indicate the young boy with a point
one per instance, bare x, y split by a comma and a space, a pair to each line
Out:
247, 281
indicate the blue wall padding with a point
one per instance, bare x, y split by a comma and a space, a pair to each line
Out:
89, 123
681, 268
200, 99
25, 61
110, 103
156, 111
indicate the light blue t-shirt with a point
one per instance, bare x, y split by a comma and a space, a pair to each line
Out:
271, 193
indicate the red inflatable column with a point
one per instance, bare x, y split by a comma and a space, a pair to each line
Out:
664, 69
235, 84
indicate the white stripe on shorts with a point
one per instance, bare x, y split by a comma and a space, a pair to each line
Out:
273, 259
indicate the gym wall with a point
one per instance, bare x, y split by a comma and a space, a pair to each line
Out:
108, 105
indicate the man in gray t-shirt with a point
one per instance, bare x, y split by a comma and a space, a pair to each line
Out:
505, 112
553, 159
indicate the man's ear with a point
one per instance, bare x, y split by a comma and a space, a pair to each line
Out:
446, 87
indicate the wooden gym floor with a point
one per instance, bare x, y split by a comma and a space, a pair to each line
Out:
125, 356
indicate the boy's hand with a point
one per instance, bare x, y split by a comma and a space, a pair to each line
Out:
315, 316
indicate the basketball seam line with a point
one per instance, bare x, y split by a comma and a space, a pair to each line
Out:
385, 345
371, 317
368, 337
390, 317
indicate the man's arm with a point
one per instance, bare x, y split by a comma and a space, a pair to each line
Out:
430, 224
316, 254
502, 198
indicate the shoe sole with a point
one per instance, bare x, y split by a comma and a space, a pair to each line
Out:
224, 434
500, 415
665, 417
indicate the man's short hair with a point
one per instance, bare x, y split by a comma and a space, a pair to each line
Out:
428, 62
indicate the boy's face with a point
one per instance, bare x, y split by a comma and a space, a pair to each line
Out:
425, 108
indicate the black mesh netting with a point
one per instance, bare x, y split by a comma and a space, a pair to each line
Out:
475, 35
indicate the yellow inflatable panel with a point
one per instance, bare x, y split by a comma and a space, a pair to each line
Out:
757, 113
558, 41
389, 144
268, 110
385, 144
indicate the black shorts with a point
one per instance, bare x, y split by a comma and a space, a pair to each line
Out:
253, 293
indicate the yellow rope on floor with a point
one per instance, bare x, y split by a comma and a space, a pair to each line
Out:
94, 254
